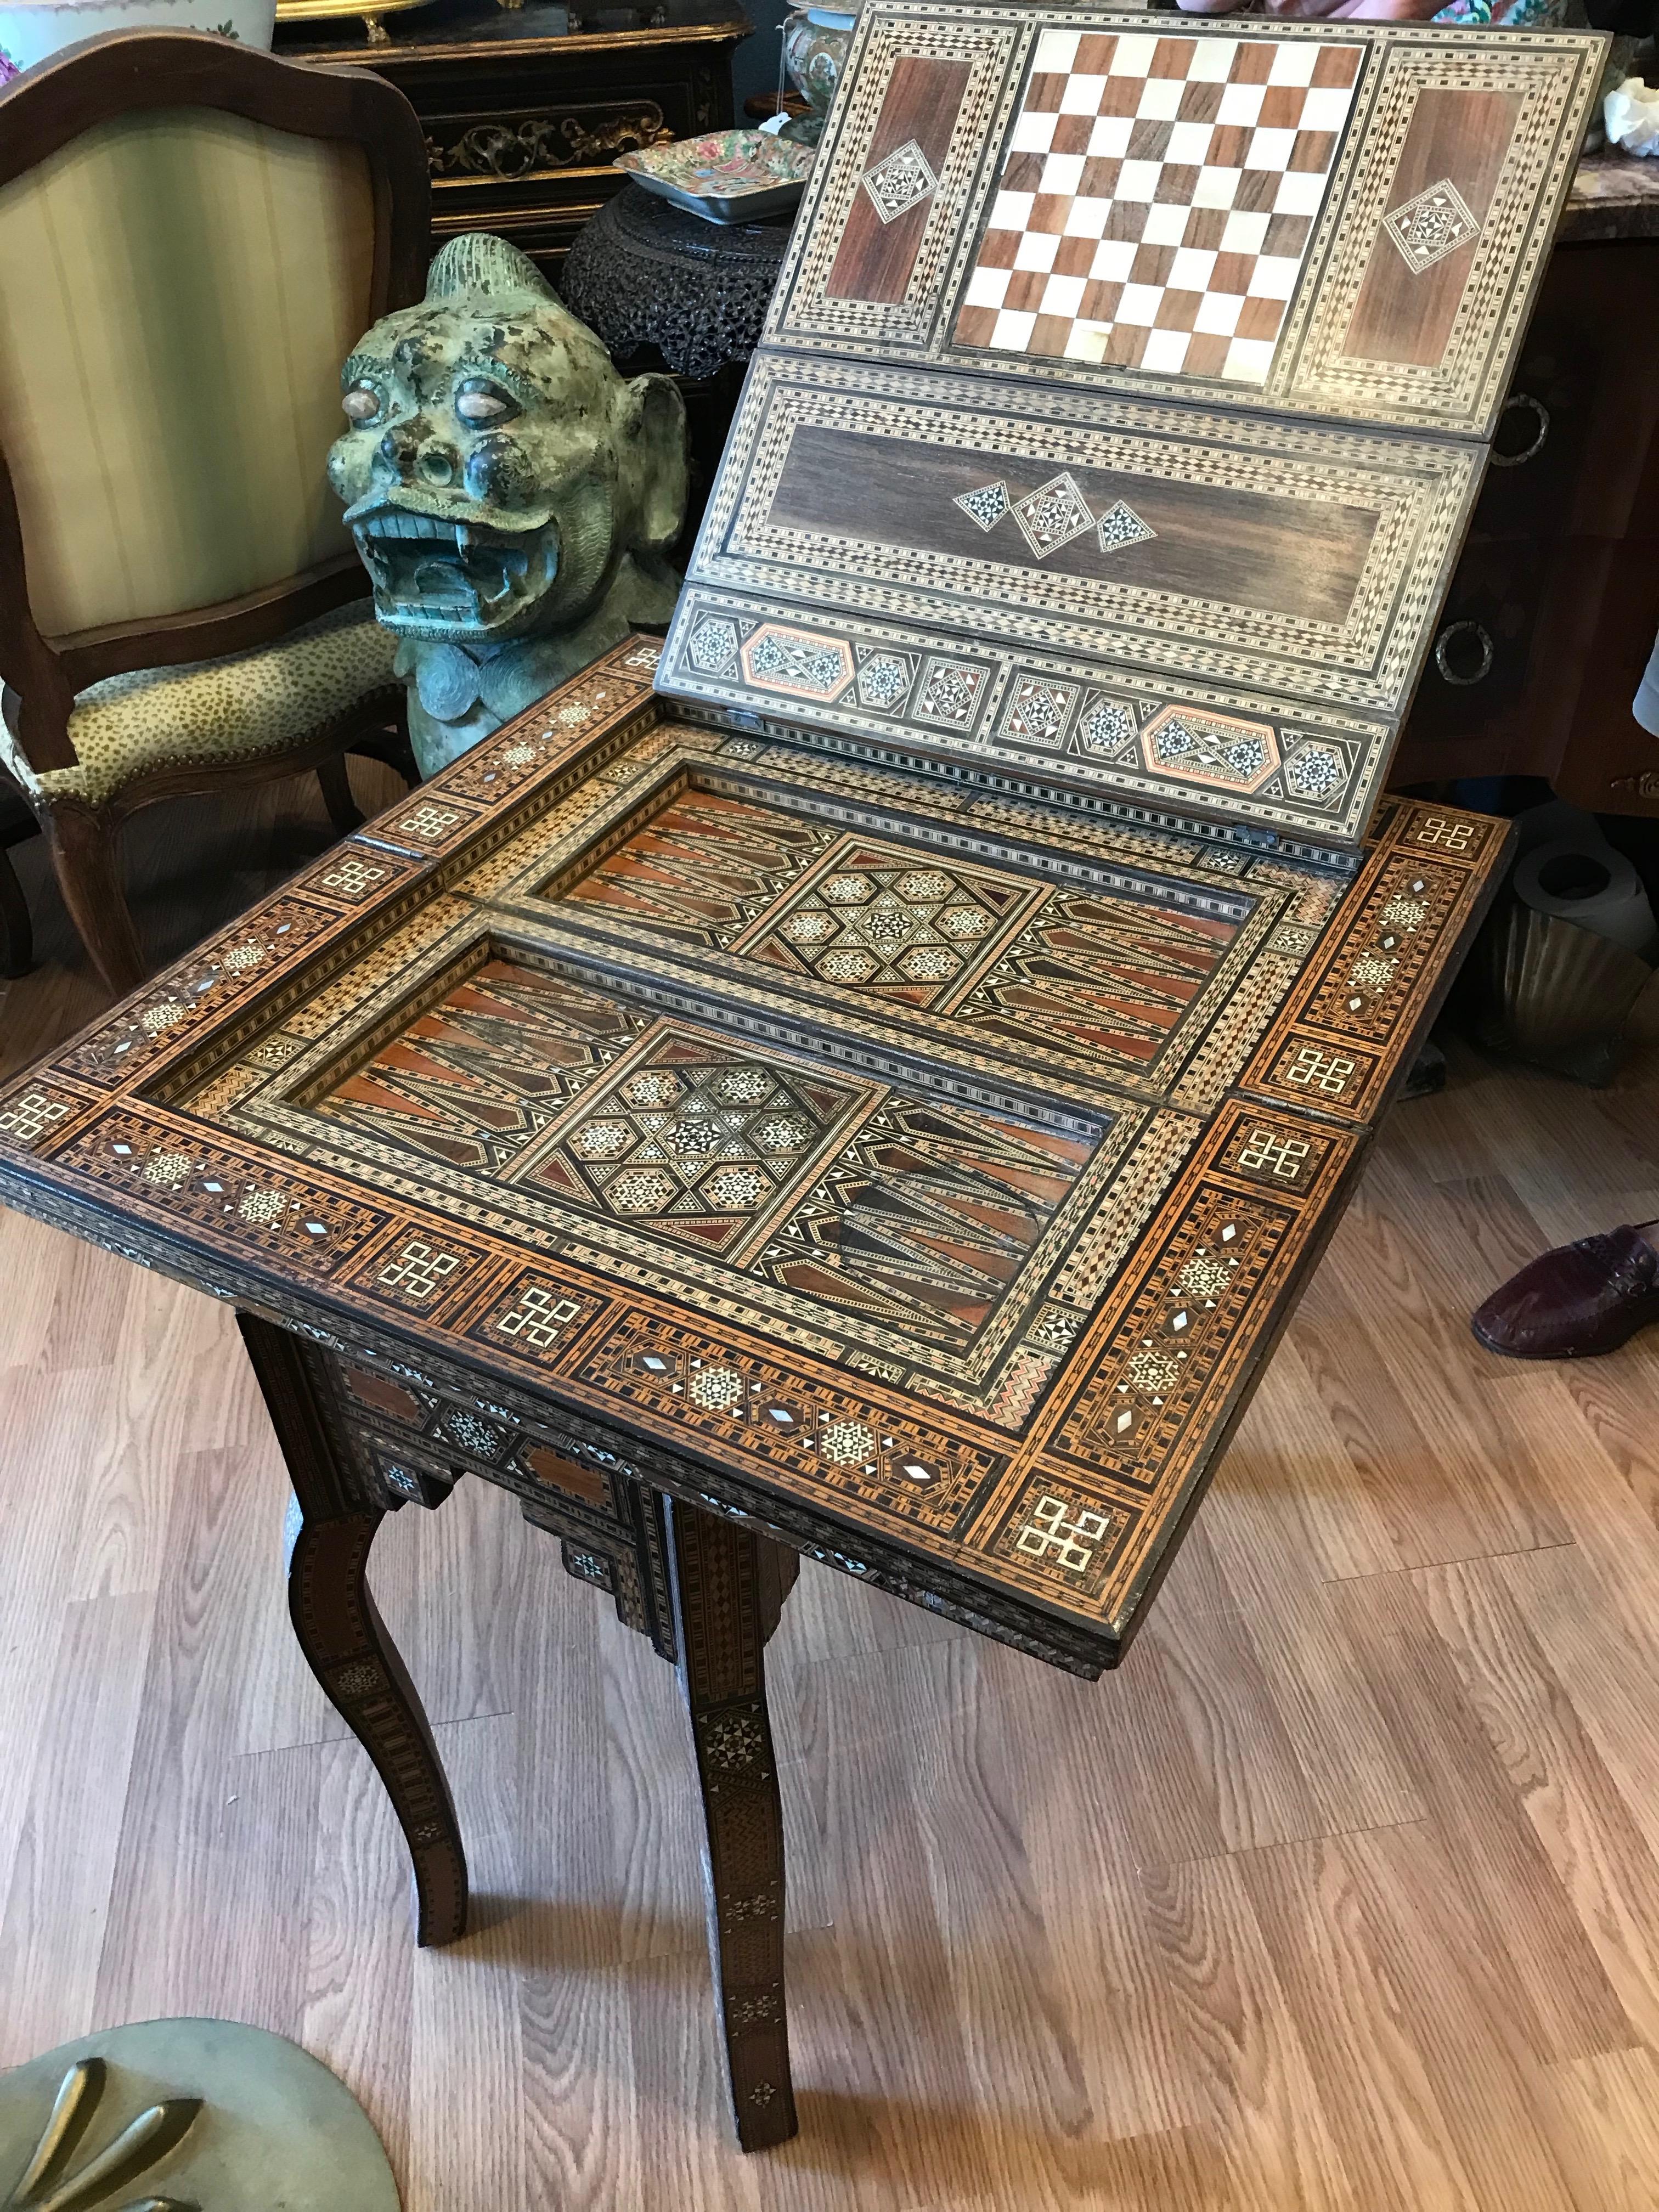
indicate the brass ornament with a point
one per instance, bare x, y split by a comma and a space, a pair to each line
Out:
185, 2116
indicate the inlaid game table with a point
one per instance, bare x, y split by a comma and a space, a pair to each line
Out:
869, 1077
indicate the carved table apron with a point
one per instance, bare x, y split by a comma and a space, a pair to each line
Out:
736, 1151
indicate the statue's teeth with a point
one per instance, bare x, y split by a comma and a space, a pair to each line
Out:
400, 524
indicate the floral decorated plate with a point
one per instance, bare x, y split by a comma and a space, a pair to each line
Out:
725, 176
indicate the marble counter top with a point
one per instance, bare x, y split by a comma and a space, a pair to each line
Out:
1614, 195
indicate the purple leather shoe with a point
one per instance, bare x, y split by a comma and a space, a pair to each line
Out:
1575, 1302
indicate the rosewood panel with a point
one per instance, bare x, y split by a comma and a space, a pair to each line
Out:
1255, 550
913, 132
1436, 208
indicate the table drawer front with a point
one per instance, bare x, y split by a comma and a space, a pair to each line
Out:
405, 1440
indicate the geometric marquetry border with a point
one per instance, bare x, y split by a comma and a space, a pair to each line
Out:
963, 700
1340, 1041
1153, 1379
1192, 1296
1067, 1520
985, 47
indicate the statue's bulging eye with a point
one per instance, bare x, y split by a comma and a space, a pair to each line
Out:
479, 402
361, 403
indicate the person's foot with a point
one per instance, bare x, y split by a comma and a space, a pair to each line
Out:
1577, 1301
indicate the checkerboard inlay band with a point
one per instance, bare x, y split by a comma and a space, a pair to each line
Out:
1156, 200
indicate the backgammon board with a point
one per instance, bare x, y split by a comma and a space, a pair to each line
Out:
877, 1093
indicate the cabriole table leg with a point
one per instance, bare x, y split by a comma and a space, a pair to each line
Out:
345, 1642
720, 1624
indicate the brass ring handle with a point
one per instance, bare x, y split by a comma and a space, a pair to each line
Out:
1447, 641
1542, 415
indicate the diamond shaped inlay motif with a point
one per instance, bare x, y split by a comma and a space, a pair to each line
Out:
1120, 525
949, 692
902, 180
1037, 711
1433, 224
986, 504
874, 920
1053, 515
696, 1134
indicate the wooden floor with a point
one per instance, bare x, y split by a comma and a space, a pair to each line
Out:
1344, 1892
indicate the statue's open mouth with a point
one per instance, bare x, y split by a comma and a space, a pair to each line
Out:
436, 578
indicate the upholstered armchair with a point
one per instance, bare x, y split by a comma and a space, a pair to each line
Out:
192, 236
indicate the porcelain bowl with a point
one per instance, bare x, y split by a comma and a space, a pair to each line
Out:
30, 30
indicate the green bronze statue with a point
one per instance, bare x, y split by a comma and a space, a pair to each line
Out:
509, 494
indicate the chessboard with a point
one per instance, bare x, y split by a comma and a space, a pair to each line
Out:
1157, 199
1122, 399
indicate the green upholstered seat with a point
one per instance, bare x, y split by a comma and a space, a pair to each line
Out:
217, 713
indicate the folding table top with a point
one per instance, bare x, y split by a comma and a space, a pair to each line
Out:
923, 1172
1125, 395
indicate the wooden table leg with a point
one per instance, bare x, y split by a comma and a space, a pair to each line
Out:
720, 1625
345, 1642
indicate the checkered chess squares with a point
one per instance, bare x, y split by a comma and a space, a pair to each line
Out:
1156, 201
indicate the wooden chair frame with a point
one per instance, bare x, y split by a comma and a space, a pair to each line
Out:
44, 110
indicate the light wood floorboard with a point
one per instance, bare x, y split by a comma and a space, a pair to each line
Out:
1343, 1896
